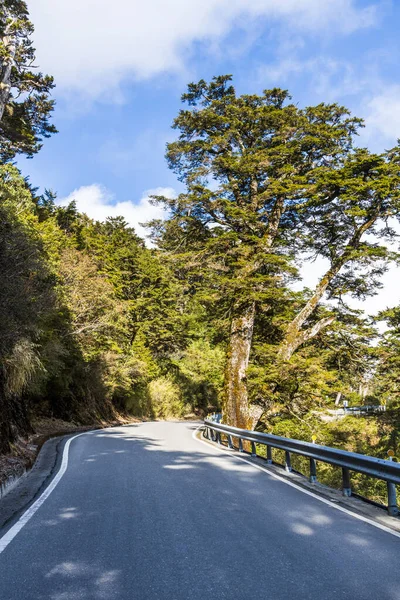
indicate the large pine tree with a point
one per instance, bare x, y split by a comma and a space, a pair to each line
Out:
266, 182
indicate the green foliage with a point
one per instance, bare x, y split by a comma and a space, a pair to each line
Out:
340, 360
26, 299
96, 316
269, 185
369, 435
92, 322
165, 398
25, 103
387, 378
201, 375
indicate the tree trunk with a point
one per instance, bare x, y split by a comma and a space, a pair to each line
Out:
236, 410
295, 335
9, 44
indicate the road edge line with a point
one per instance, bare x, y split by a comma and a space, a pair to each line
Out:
28, 514
294, 485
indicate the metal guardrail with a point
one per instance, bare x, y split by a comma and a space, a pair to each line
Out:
364, 409
378, 468
214, 417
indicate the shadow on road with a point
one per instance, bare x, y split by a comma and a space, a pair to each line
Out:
152, 514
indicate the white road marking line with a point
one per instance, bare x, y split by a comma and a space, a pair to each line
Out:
23, 520
297, 487
15, 529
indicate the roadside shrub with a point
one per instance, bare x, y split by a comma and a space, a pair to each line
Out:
165, 398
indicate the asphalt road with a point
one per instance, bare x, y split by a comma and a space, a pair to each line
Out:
146, 512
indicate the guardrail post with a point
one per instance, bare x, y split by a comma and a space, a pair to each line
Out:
313, 470
392, 500
346, 485
288, 462
347, 461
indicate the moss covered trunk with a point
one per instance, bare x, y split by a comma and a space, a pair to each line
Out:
236, 411
295, 335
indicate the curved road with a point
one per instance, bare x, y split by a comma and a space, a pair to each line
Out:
146, 512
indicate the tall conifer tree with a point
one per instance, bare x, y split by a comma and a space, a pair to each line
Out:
265, 182
25, 103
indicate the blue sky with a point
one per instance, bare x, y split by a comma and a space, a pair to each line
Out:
120, 69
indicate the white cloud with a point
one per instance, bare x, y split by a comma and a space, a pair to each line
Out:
92, 46
333, 80
326, 76
383, 115
98, 203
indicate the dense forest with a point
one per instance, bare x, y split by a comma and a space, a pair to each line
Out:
211, 316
